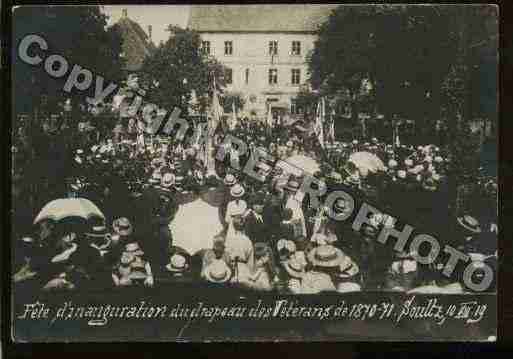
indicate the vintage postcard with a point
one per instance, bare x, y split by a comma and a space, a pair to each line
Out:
254, 173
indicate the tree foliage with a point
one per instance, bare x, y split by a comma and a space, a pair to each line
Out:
178, 67
80, 35
419, 61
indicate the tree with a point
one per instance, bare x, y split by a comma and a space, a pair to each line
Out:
342, 56
402, 52
80, 35
177, 68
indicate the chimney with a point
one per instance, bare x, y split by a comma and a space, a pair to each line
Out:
125, 13
149, 32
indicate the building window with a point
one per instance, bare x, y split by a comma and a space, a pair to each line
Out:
296, 48
273, 48
205, 47
273, 76
228, 76
296, 76
228, 47
246, 76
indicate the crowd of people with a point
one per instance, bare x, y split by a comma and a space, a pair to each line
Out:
269, 240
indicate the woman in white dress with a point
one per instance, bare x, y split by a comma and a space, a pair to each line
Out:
240, 251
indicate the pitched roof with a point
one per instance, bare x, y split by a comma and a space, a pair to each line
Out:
136, 45
258, 18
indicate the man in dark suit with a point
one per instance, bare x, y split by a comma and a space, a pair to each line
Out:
255, 225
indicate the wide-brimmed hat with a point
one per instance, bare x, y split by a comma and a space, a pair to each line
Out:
177, 263
294, 267
353, 179
392, 164
292, 186
98, 231
326, 256
168, 179
218, 271
237, 191
134, 248
469, 223
348, 268
230, 180
122, 226
155, 177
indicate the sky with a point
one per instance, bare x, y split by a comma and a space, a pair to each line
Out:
159, 16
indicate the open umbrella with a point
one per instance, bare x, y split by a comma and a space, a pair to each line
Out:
69, 207
366, 162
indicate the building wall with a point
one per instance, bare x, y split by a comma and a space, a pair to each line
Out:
251, 51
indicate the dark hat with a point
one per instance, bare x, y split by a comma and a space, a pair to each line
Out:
469, 223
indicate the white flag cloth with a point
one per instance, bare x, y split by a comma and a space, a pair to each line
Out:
269, 118
233, 122
319, 122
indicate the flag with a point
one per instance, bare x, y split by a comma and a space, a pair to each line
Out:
269, 119
215, 111
331, 131
319, 122
233, 122
397, 141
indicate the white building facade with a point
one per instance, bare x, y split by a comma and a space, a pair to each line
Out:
264, 47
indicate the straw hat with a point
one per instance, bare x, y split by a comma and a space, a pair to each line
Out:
218, 272
122, 226
469, 223
292, 186
237, 191
294, 267
353, 179
348, 268
134, 249
155, 177
168, 179
392, 164
230, 180
326, 256
177, 263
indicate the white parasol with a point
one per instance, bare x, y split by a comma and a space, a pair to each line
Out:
367, 162
69, 207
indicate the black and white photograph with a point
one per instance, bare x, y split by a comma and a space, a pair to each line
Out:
270, 172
